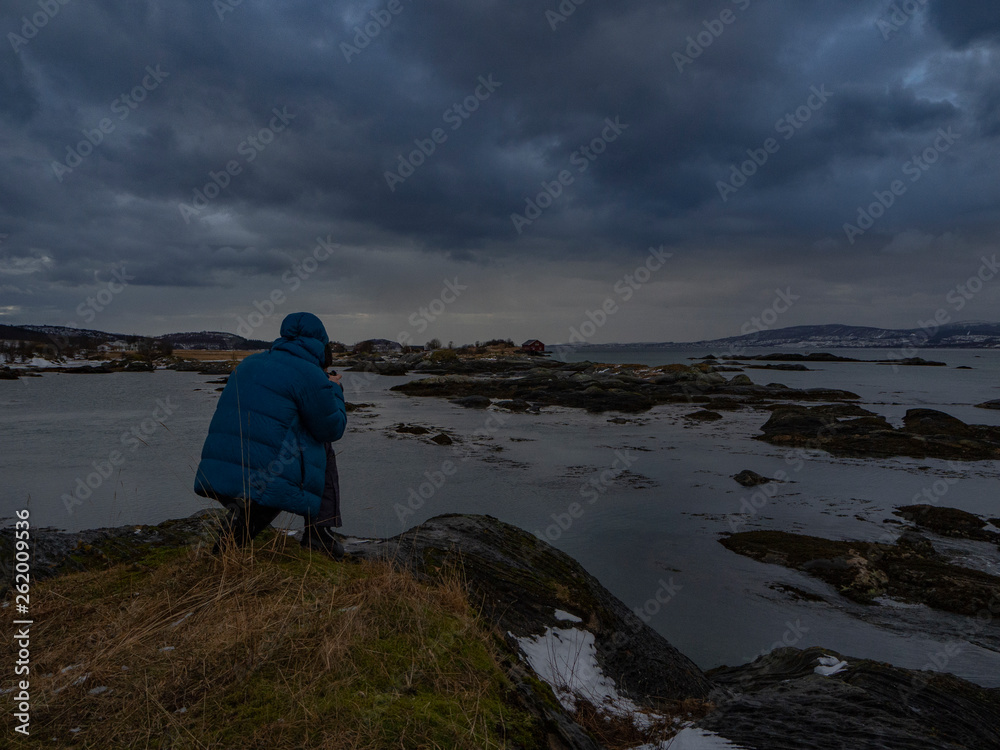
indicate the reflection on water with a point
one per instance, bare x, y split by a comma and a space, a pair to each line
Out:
133, 440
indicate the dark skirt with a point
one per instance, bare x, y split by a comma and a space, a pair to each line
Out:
329, 507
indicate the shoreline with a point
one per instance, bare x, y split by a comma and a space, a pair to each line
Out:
538, 598
758, 413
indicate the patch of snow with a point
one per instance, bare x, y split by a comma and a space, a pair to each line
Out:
81, 679
34, 362
567, 617
64, 670
566, 659
690, 738
181, 710
167, 648
830, 665
97, 690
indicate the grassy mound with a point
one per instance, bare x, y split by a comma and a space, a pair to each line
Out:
271, 648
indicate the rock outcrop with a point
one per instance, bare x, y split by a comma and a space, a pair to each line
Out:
816, 698
749, 478
521, 582
909, 570
851, 431
949, 522
599, 389
785, 700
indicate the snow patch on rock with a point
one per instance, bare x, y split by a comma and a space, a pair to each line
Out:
830, 665
566, 616
566, 659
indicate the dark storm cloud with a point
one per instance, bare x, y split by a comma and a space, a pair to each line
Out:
697, 87
964, 22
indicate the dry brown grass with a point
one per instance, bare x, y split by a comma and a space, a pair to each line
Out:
622, 732
271, 648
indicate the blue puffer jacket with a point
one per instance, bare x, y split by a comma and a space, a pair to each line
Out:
265, 442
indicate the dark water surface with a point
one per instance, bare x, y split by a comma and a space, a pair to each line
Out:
650, 532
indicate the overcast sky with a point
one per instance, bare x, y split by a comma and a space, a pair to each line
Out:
417, 138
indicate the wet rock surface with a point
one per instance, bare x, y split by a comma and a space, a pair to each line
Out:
56, 552
749, 478
909, 570
850, 431
520, 581
598, 388
780, 702
949, 522
787, 699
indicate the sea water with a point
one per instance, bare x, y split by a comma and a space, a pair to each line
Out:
641, 504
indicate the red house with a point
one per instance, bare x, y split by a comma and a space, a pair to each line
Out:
533, 345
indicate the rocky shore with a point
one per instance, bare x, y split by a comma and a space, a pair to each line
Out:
848, 430
542, 604
817, 418
907, 570
600, 388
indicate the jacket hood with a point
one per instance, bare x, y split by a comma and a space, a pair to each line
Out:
304, 335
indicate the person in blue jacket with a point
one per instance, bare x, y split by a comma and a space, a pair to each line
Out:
268, 445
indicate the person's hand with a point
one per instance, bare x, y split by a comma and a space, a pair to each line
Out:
335, 378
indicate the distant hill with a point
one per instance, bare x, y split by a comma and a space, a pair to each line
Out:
62, 332
25, 333
213, 340
963, 335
